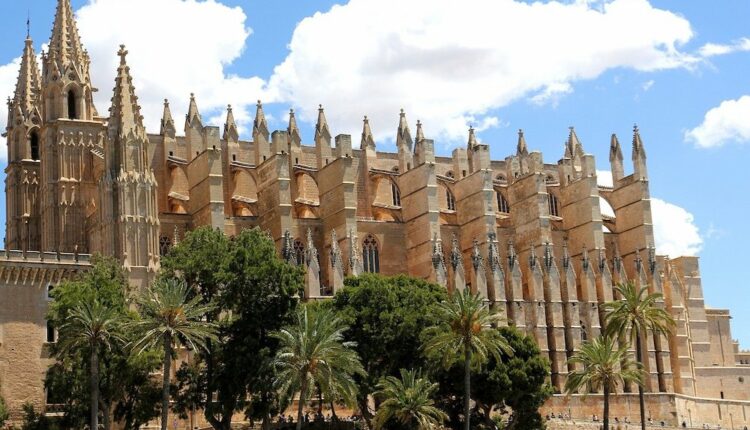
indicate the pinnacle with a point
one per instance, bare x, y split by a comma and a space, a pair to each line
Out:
472, 138
615, 151
125, 113
28, 83
420, 132
404, 134
638, 149
167, 123
521, 148
321, 127
230, 126
574, 144
193, 113
260, 116
367, 139
65, 43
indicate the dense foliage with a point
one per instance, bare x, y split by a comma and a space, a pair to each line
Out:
385, 316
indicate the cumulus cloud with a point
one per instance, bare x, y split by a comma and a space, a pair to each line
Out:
449, 65
725, 123
675, 231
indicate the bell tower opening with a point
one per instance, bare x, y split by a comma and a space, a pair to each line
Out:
34, 145
72, 114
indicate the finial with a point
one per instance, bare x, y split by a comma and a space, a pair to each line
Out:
28, 24
419, 123
166, 102
365, 120
259, 104
320, 107
122, 53
192, 96
402, 112
291, 111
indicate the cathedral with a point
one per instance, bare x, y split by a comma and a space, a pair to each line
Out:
536, 239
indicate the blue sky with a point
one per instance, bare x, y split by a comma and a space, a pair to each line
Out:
678, 68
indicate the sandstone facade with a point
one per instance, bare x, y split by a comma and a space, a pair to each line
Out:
528, 235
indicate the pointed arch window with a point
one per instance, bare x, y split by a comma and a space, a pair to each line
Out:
298, 248
34, 145
396, 194
584, 336
51, 333
72, 114
451, 200
554, 207
502, 203
371, 255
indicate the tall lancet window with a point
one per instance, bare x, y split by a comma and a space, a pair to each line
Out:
554, 207
396, 194
371, 255
502, 203
72, 114
451, 200
299, 252
34, 145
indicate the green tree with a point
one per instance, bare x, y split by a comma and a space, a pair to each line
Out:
68, 380
406, 403
93, 327
313, 353
4, 414
247, 280
603, 365
385, 316
168, 317
637, 314
465, 332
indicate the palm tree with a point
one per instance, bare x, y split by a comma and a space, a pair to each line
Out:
407, 400
637, 313
313, 352
466, 328
94, 326
604, 365
168, 317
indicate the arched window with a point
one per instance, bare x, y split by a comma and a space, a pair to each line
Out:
371, 255
72, 114
165, 244
396, 194
554, 208
50, 287
34, 145
502, 203
584, 336
51, 336
299, 252
451, 200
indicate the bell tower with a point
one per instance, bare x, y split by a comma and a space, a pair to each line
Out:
71, 138
23, 172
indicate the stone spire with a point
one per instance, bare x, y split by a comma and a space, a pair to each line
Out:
230, 127
193, 117
368, 141
125, 114
287, 248
615, 159
639, 155
167, 122
321, 127
293, 130
472, 142
403, 135
512, 257
65, 48
260, 122
521, 148
574, 145
28, 86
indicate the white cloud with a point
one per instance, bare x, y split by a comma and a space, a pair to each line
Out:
647, 85
449, 65
552, 93
675, 231
714, 49
725, 123
8, 75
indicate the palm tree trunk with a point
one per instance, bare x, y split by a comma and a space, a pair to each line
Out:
641, 397
467, 386
301, 405
165, 382
333, 412
94, 423
606, 406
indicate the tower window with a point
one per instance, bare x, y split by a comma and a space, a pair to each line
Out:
502, 203
451, 200
299, 252
72, 114
554, 208
396, 194
34, 145
371, 255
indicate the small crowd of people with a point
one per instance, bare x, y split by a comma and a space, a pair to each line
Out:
317, 417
